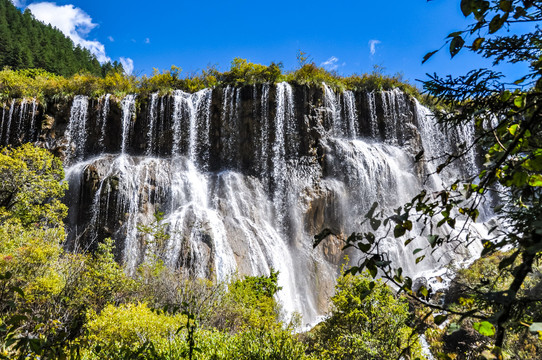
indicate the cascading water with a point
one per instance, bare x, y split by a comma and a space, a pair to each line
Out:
152, 123
76, 133
105, 103
128, 113
245, 177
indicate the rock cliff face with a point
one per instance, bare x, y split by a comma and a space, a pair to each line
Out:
245, 176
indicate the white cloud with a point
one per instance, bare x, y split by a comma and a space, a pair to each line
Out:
73, 22
372, 46
330, 64
147, 41
19, 3
128, 65
110, 38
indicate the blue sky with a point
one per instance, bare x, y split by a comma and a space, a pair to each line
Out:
342, 35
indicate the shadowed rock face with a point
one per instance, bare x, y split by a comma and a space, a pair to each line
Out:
245, 176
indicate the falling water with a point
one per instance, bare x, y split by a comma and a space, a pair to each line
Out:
32, 133
264, 132
3, 118
152, 123
351, 114
76, 133
230, 124
10, 117
284, 116
373, 118
128, 114
103, 119
333, 104
221, 219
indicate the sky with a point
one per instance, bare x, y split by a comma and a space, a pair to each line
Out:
347, 36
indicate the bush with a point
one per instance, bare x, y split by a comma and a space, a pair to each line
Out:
367, 321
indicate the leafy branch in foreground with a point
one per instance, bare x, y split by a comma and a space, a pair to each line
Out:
507, 121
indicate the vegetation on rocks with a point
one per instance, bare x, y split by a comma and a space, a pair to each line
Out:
56, 304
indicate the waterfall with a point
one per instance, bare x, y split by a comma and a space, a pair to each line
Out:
103, 119
8, 126
283, 118
152, 123
264, 133
230, 124
128, 113
373, 118
3, 120
76, 132
246, 176
32, 133
351, 114
333, 105
191, 125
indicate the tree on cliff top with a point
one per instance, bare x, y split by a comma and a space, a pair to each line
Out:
508, 122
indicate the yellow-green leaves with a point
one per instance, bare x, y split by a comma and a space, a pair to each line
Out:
535, 180
485, 328
31, 186
520, 101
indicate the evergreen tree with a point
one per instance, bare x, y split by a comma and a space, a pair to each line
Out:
27, 43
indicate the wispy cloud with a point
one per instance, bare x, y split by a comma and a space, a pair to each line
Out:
331, 63
128, 65
147, 41
110, 38
372, 46
73, 22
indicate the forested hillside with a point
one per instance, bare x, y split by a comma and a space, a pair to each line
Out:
28, 43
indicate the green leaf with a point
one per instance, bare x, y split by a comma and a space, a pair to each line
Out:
485, 328
407, 225
496, 23
505, 5
399, 231
454, 34
372, 210
375, 223
416, 251
423, 290
456, 44
466, 7
535, 180
477, 43
371, 266
513, 129
506, 95
364, 247
432, 239
428, 56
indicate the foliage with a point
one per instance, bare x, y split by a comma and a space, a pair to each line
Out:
31, 186
40, 84
28, 43
366, 321
467, 293
507, 121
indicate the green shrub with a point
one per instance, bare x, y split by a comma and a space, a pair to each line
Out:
367, 321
